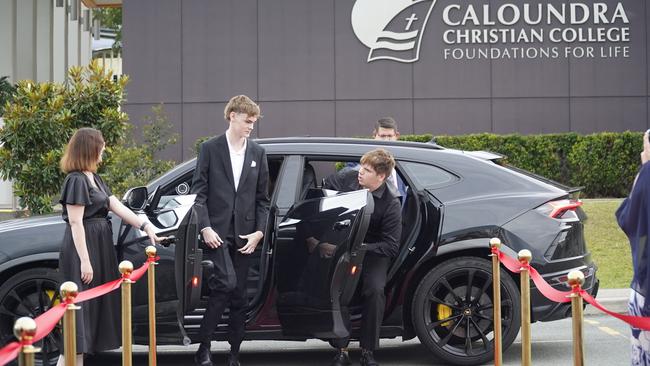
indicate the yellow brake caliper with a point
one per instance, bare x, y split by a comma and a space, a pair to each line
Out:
444, 312
50, 295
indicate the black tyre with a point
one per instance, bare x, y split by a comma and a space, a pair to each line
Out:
31, 293
452, 311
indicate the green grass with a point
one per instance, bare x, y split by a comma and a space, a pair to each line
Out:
609, 246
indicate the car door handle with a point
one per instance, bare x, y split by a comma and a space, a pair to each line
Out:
168, 241
342, 225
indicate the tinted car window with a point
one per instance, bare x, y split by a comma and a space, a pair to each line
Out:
428, 176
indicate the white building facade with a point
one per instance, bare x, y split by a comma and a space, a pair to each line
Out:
39, 41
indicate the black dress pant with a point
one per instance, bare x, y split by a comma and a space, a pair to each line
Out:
373, 282
227, 289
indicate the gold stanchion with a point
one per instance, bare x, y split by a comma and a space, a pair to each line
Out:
524, 258
495, 243
151, 281
576, 279
126, 268
69, 291
25, 330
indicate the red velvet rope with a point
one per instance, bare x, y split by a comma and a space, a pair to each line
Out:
515, 266
639, 322
49, 319
9, 352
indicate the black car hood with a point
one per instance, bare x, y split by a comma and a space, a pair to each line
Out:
29, 236
35, 221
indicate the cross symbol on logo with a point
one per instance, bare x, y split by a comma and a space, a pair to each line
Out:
410, 21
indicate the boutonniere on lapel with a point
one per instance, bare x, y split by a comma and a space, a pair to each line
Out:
253, 164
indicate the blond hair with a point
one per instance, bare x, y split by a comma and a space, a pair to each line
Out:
82, 151
241, 104
381, 161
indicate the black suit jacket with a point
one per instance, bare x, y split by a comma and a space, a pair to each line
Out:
217, 203
385, 228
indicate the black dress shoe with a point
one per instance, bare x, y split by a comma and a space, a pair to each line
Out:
202, 356
367, 358
341, 358
233, 360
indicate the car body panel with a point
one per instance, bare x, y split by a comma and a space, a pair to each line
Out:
455, 216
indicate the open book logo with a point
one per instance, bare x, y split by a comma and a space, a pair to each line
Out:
391, 29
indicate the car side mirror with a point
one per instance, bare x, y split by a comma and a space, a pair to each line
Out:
136, 198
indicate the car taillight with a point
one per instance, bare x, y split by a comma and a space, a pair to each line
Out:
564, 279
195, 282
556, 209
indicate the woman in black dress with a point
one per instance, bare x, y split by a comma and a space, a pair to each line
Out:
87, 255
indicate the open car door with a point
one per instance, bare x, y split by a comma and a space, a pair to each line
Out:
187, 262
318, 262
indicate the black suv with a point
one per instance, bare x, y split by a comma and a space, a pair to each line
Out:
439, 287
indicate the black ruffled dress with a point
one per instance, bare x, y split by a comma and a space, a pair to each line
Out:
98, 320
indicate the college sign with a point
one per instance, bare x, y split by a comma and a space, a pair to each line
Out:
394, 29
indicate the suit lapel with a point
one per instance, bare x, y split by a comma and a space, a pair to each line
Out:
224, 152
248, 158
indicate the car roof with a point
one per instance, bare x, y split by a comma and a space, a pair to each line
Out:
333, 146
343, 146
469, 163
347, 141
326, 142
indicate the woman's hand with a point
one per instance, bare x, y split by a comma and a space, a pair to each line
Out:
645, 155
152, 235
86, 272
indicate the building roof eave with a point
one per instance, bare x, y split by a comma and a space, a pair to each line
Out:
103, 3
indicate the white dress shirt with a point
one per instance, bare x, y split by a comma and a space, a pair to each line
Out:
393, 178
236, 160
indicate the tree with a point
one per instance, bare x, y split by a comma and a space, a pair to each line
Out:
134, 164
6, 92
111, 18
41, 119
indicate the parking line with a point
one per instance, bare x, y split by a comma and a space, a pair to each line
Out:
611, 332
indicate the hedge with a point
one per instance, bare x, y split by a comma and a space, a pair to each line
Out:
605, 164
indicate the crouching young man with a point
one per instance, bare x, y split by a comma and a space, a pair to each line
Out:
381, 243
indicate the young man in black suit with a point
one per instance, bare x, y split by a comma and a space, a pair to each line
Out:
381, 244
232, 203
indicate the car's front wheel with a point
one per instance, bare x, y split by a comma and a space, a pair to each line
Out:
452, 311
31, 293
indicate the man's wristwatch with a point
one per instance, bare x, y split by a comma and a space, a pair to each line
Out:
144, 224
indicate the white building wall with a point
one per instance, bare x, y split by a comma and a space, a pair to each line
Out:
59, 44
25, 25
85, 52
73, 42
6, 37
39, 42
43, 47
